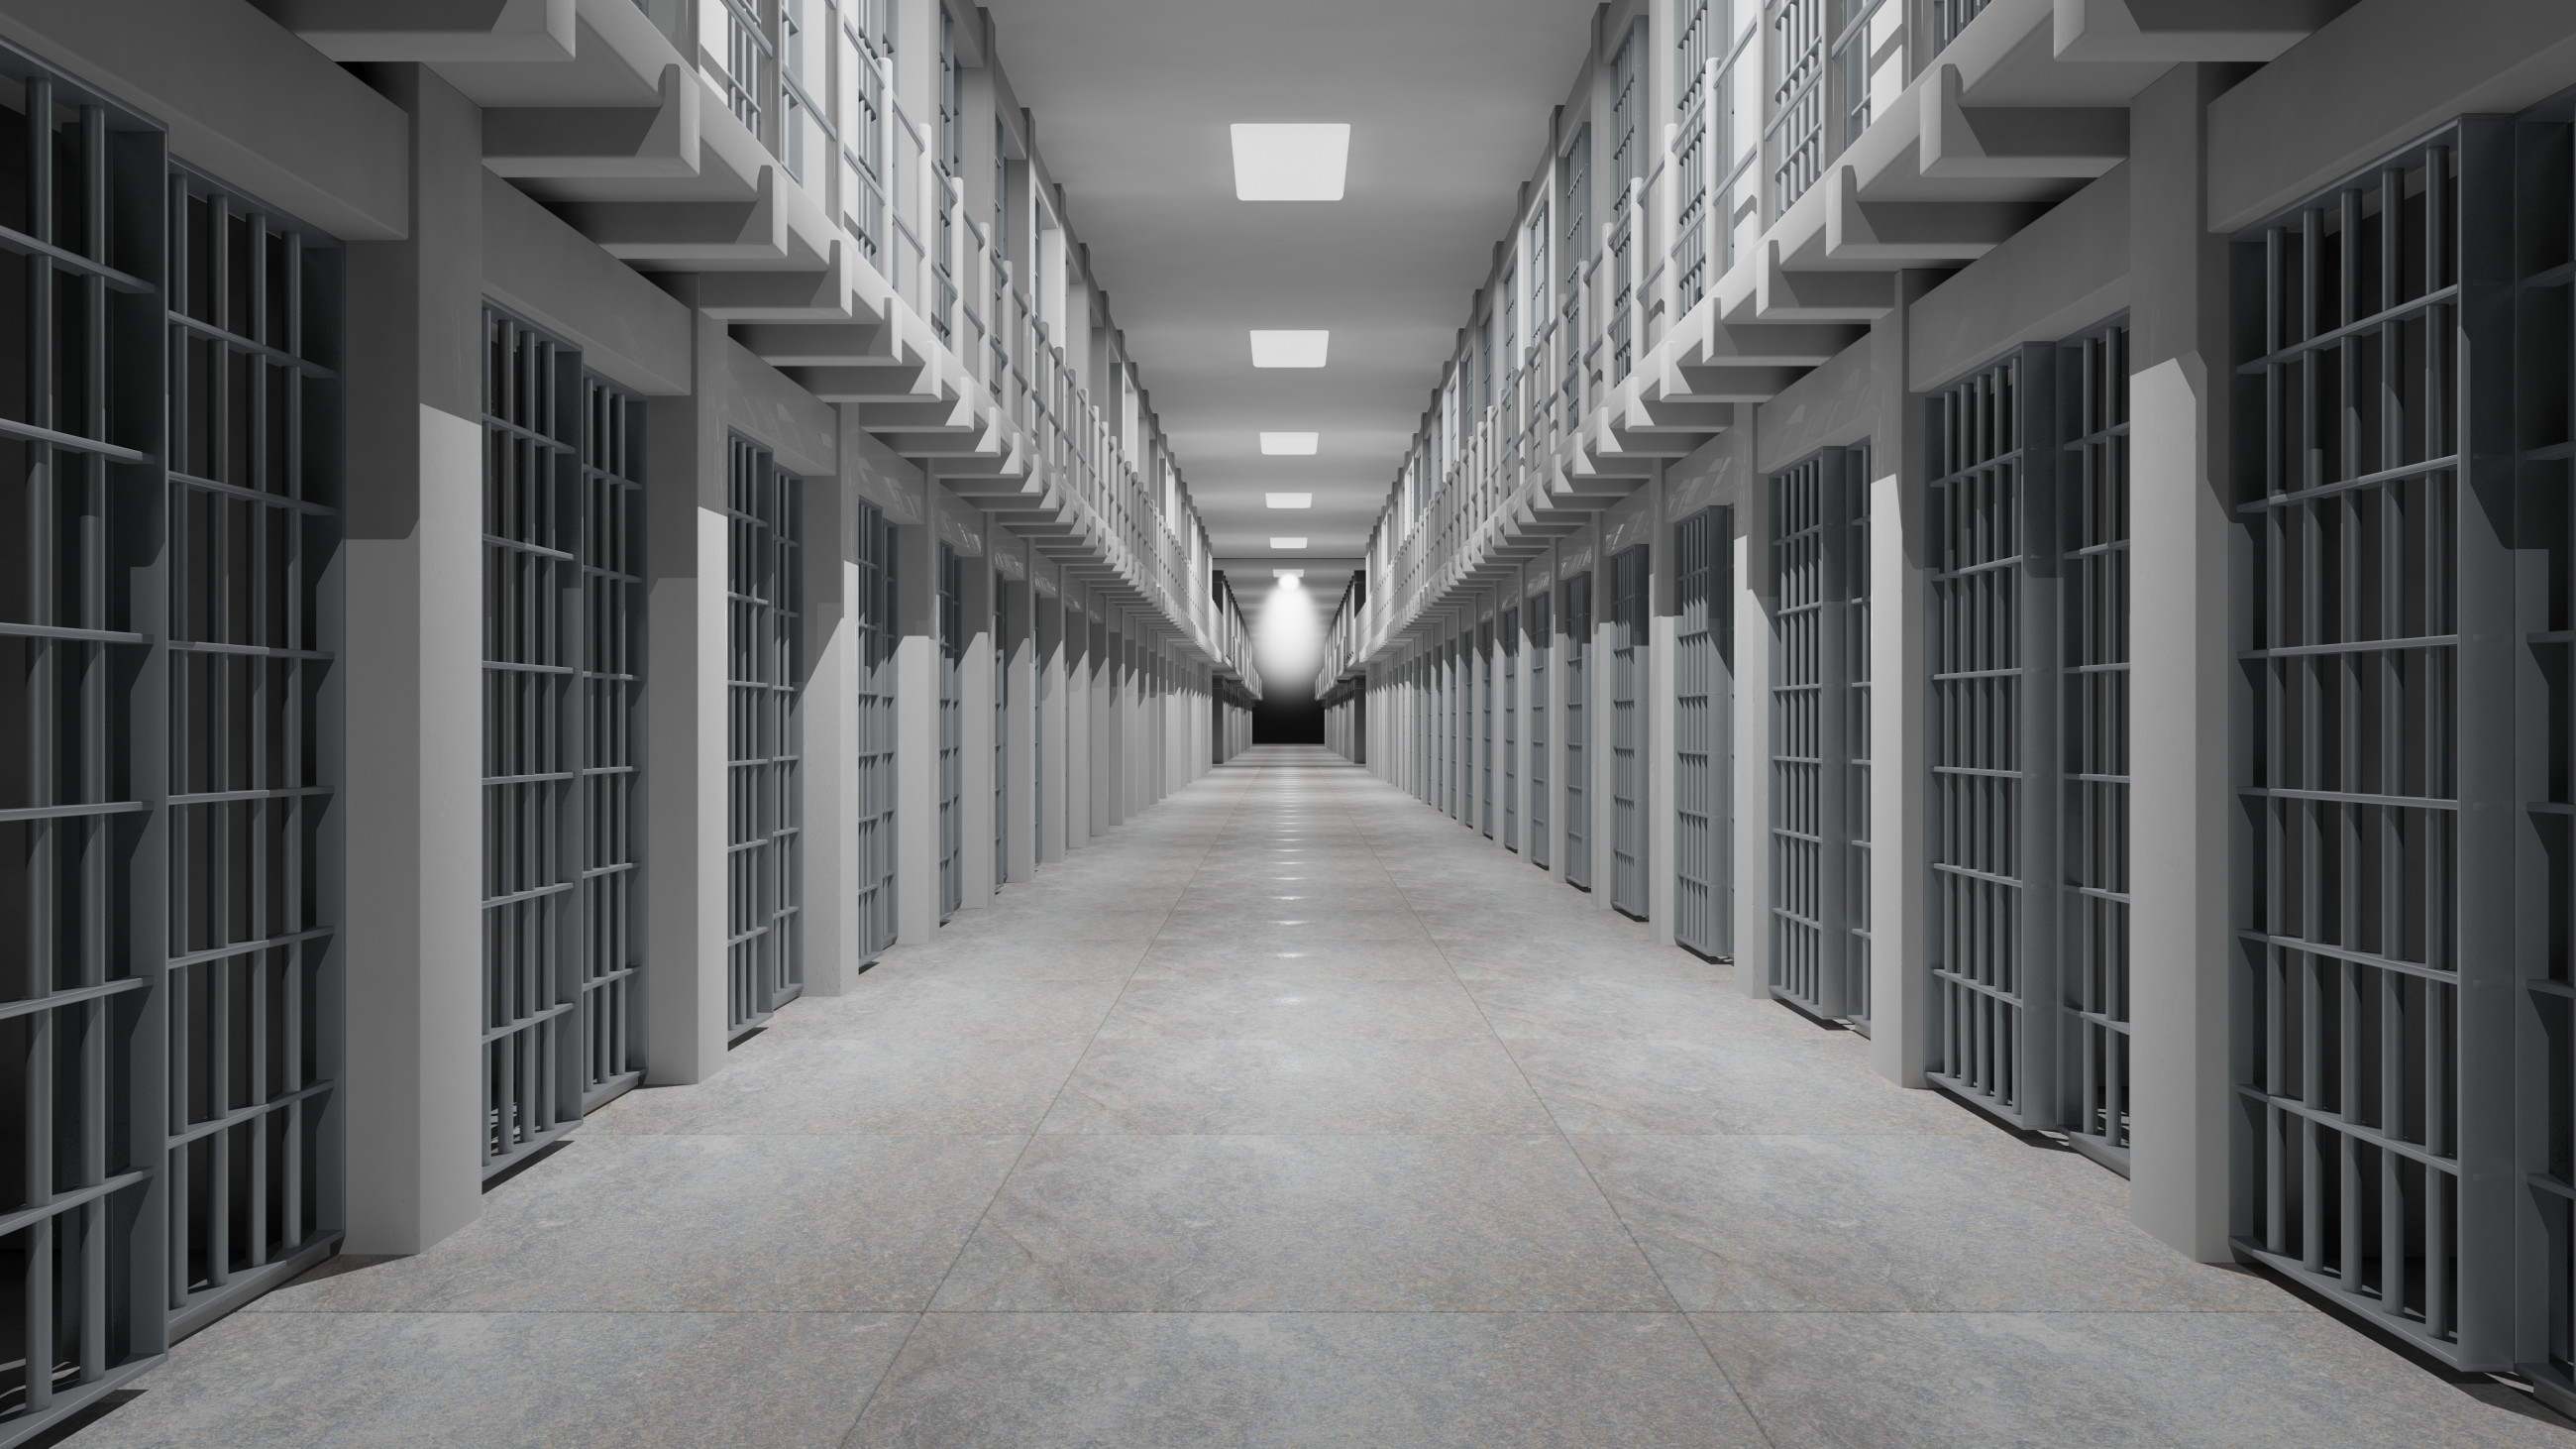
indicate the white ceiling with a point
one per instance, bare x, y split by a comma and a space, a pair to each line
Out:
1448, 103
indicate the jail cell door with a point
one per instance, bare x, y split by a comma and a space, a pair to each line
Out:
1001, 736
1994, 958
1510, 641
533, 735
1485, 726
2093, 519
952, 733
1856, 752
2377, 1087
250, 529
1703, 735
876, 732
765, 962
1578, 721
1809, 937
1535, 615
1629, 653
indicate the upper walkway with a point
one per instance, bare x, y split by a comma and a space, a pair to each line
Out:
1292, 1114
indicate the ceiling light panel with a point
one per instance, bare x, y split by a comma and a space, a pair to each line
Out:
1290, 500
1287, 543
1290, 444
1299, 162
1290, 349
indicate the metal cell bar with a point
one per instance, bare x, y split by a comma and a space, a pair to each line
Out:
1509, 638
1810, 933
1542, 643
764, 876
952, 648
2093, 519
1484, 696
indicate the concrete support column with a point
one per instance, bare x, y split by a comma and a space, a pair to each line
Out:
411, 657
687, 563
828, 709
916, 735
1900, 692
2182, 677
975, 737
1756, 604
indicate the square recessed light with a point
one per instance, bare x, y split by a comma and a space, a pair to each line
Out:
1290, 349
1290, 444
1298, 162
1287, 543
1290, 500
1287, 576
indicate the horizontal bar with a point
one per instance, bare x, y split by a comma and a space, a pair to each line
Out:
529, 1022
239, 343
66, 812
69, 442
29, 1006
558, 888
262, 496
236, 797
2333, 797
2446, 463
65, 1202
2357, 958
246, 948
2298, 351
235, 1116
71, 636
248, 651
2358, 646
18, 241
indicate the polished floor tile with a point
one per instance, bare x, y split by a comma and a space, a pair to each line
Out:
1424, 1381
1137, 1223
1438, 1152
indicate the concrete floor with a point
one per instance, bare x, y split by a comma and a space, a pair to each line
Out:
1291, 1113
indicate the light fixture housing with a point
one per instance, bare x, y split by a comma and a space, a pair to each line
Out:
1284, 543
1290, 349
1297, 161
1293, 445
1287, 576
1290, 500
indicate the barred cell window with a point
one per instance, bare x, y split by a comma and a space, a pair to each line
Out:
1994, 958
2093, 520
1541, 645
1703, 735
1857, 483
2402, 1136
1810, 696
765, 875
169, 467
1578, 721
876, 730
1508, 637
952, 732
1484, 687
1628, 656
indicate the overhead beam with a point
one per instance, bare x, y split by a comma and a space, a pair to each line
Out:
2068, 143
2179, 31
430, 31
552, 142
1915, 231
714, 232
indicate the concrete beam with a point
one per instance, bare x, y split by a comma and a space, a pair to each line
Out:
1788, 296
1893, 231
2177, 31
714, 233
428, 31
2072, 143
602, 141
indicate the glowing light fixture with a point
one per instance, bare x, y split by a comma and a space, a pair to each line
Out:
1288, 576
1290, 444
1296, 162
1290, 349
1291, 500
1287, 543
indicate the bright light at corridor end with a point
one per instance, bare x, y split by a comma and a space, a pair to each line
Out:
1290, 349
1290, 444
1288, 639
1287, 543
1290, 500
1298, 162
